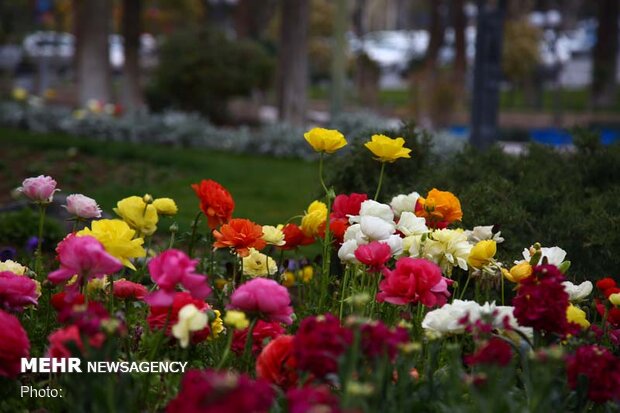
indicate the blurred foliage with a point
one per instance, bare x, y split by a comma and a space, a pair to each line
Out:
564, 199
200, 69
520, 51
17, 227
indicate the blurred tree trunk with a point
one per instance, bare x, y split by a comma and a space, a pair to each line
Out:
252, 17
605, 54
132, 94
293, 61
437, 35
460, 46
92, 58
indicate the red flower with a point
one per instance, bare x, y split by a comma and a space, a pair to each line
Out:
414, 280
87, 318
129, 290
60, 340
494, 352
294, 237
312, 399
158, 315
601, 369
16, 291
605, 283
209, 391
262, 331
541, 301
276, 362
345, 205
14, 345
378, 339
62, 299
240, 234
319, 343
613, 313
215, 202
338, 226
374, 255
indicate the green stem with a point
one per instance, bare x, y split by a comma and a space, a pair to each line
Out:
380, 181
465, 287
502, 281
38, 254
226, 353
190, 248
321, 173
247, 350
345, 281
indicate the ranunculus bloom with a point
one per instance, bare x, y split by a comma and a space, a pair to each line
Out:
378, 339
414, 280
374, 255
171, 268
84, 257
87, 318
276, 363
273, 235
482, 253
241, 235
138, 214
440, 208
40, 189
387, 149
404, 203
262, 331
209, 391
338, 227
346, 205
314, 219
576, 315
129, 290
294, 237
190, 319
554, 255
600, 367
117, 239
264, 298
62, 340
82, 206
14, 345
494, 352
62, 300
158, 315
215, 202
16, 291
12, 266
312, 399
257, 264
518, 272
578, 292
165, 206
325, 140
319, 343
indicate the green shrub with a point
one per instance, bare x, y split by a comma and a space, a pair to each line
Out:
16, 228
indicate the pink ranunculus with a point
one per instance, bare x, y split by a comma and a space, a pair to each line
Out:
82, 206
16, 291
84, 256
374, 255
173, 267
40, 189
414, 280
14, 345
265, 298
129, 290
64, 340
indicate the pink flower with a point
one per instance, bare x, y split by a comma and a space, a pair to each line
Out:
374, 255
312, 399
40, 189
265, 298
414, 280
16, 291
64, 339
14, 345
494, 352
82, 207
129, 290
377, 339
262, 331
345, 205
173, 267
84, 256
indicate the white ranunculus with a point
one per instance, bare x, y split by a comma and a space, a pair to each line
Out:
448, 248
555, 255
578, 292
404, 203
482, 233
190, 319
372, 208
346, 253
409, 224
396, 244
413, 245
376, 228
354, 232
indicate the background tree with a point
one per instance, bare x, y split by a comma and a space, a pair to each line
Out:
605, 54
131, 26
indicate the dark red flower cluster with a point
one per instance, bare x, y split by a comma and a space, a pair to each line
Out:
378, 339
312, 399
263, 330
494, 352
600, 367
541, 301
607, 286
276, 363
294, 237
209, 391
168, 316
319, 343
87, 318
14, 345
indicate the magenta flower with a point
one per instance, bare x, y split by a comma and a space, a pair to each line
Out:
82, 206
374, 255
171, 268
14, 345
16, 291
265, 298
84, 257
40, 189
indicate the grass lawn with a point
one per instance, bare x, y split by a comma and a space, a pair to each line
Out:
266, 190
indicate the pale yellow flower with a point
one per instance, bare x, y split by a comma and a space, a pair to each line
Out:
325, 140
190, 319
257, 264
615, 299
236, 319
12, 266
273, 235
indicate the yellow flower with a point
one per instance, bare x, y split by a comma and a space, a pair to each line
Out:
165, 206
117, 239
236, 319
518, 272
306, 274
93, 285
220, 283
288, 279
19, 93
257, 264
482, 253
577, 316
387, 149
313, 220
273, 235
325, 140
217, 325
190, 319
138, 214
12, 266
615, 299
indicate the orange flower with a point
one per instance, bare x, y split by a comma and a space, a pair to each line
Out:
215, 201
440, 208
240, 234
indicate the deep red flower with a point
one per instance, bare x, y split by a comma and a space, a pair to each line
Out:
62, 299
312, 399
262, 331
345, 205
374, 255
241, 235
605, 283
600, 367
613, 313
87, 318
208, 391
378, 339
215, 202
158, 315
276, 362
338, 226
63, 340
14, 345
294, 237
494, 352
16, 291
319, 343
129, 290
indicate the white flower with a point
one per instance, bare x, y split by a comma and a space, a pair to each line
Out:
555, 255
409, 224
354, 232
404, 203
376, 228
273, 235
577, 292
372, 208
396, 244
346, 253
482, 233
413, 245
190, 319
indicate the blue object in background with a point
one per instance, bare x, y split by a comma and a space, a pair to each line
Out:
551, 136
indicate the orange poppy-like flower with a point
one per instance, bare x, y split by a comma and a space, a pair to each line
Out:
215, 201
439, 208
240, 234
